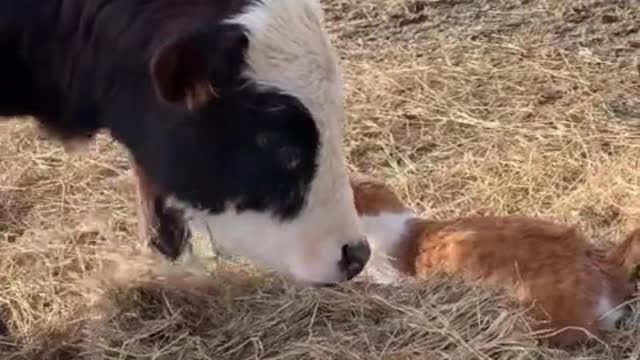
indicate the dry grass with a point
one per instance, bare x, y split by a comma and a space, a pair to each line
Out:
518, 106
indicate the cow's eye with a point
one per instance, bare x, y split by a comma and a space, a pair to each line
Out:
290, 157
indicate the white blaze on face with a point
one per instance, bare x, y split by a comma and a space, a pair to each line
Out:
289, 51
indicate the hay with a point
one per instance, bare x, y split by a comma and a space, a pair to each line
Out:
154, 311
465, 107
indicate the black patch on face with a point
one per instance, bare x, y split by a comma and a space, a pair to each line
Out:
82, 66
255, 149
251, 147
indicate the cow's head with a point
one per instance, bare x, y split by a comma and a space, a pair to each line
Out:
257, 157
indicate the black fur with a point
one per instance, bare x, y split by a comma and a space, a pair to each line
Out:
80, 66
172, 234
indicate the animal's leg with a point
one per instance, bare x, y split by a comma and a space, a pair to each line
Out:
159, 227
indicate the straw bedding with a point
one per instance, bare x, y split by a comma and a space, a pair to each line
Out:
465, 107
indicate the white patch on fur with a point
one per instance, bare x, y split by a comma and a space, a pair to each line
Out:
308, 248
608, 313
384, 231
289, 51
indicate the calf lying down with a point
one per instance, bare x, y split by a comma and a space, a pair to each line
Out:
570, 285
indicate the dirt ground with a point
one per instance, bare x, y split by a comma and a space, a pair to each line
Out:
465, 107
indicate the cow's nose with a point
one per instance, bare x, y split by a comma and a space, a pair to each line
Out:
354, 258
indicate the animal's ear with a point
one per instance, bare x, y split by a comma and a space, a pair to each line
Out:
188, 69
627, 254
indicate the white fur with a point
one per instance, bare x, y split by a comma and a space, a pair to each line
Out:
384, 232
285, 247
608, 314
289, 51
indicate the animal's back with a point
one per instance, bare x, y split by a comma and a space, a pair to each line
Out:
548, 264
63, 60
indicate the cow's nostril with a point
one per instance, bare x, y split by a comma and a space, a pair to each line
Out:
354, 258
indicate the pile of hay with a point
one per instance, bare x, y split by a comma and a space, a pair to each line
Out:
154, 311
140, 307
465, 107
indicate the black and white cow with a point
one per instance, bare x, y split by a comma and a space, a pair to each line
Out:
231, 111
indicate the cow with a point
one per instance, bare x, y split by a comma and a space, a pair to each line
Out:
231, 112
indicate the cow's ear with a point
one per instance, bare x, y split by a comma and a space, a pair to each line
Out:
188, 70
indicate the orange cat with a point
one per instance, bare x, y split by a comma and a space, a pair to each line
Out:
551, 266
